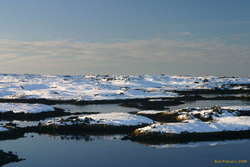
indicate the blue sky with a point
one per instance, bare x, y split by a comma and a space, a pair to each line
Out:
106, 36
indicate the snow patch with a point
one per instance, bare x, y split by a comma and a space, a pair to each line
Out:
113, 119
145, 112
25, 108
2, 129
237, 108
117, 119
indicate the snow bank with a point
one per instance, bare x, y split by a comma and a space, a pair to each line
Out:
25, 108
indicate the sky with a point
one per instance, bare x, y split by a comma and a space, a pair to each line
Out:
175, 37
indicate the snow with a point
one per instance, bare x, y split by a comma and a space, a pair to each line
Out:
206, 113
237, 108
35, 86
25, 108
107, 87
118, 119
150, 112
114, 119
190, 113
22, 124
195, 126
2, 129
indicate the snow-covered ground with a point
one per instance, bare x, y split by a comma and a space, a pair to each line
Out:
222, 119
196, 126
25, 108
205, 113
197, 112
236, 108
114, 119
117, 119
100, 87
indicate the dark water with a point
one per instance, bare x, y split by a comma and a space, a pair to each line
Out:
46, 151
210, 103
107, 108
116, 108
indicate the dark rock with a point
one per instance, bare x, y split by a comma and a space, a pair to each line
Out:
6, 158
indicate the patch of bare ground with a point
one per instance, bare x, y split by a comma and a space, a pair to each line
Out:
82, 129
164, 116
163, 138
153, 104
58, 112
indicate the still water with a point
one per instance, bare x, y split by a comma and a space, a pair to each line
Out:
47, 151
211, 103
116, 108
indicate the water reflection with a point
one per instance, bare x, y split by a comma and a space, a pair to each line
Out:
84, 137
106, 108
211, 103
102, 108
197, 144
44, 150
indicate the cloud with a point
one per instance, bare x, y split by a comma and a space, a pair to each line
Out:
64, 54
185, 33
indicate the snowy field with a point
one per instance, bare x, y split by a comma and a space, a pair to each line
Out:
105, 87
